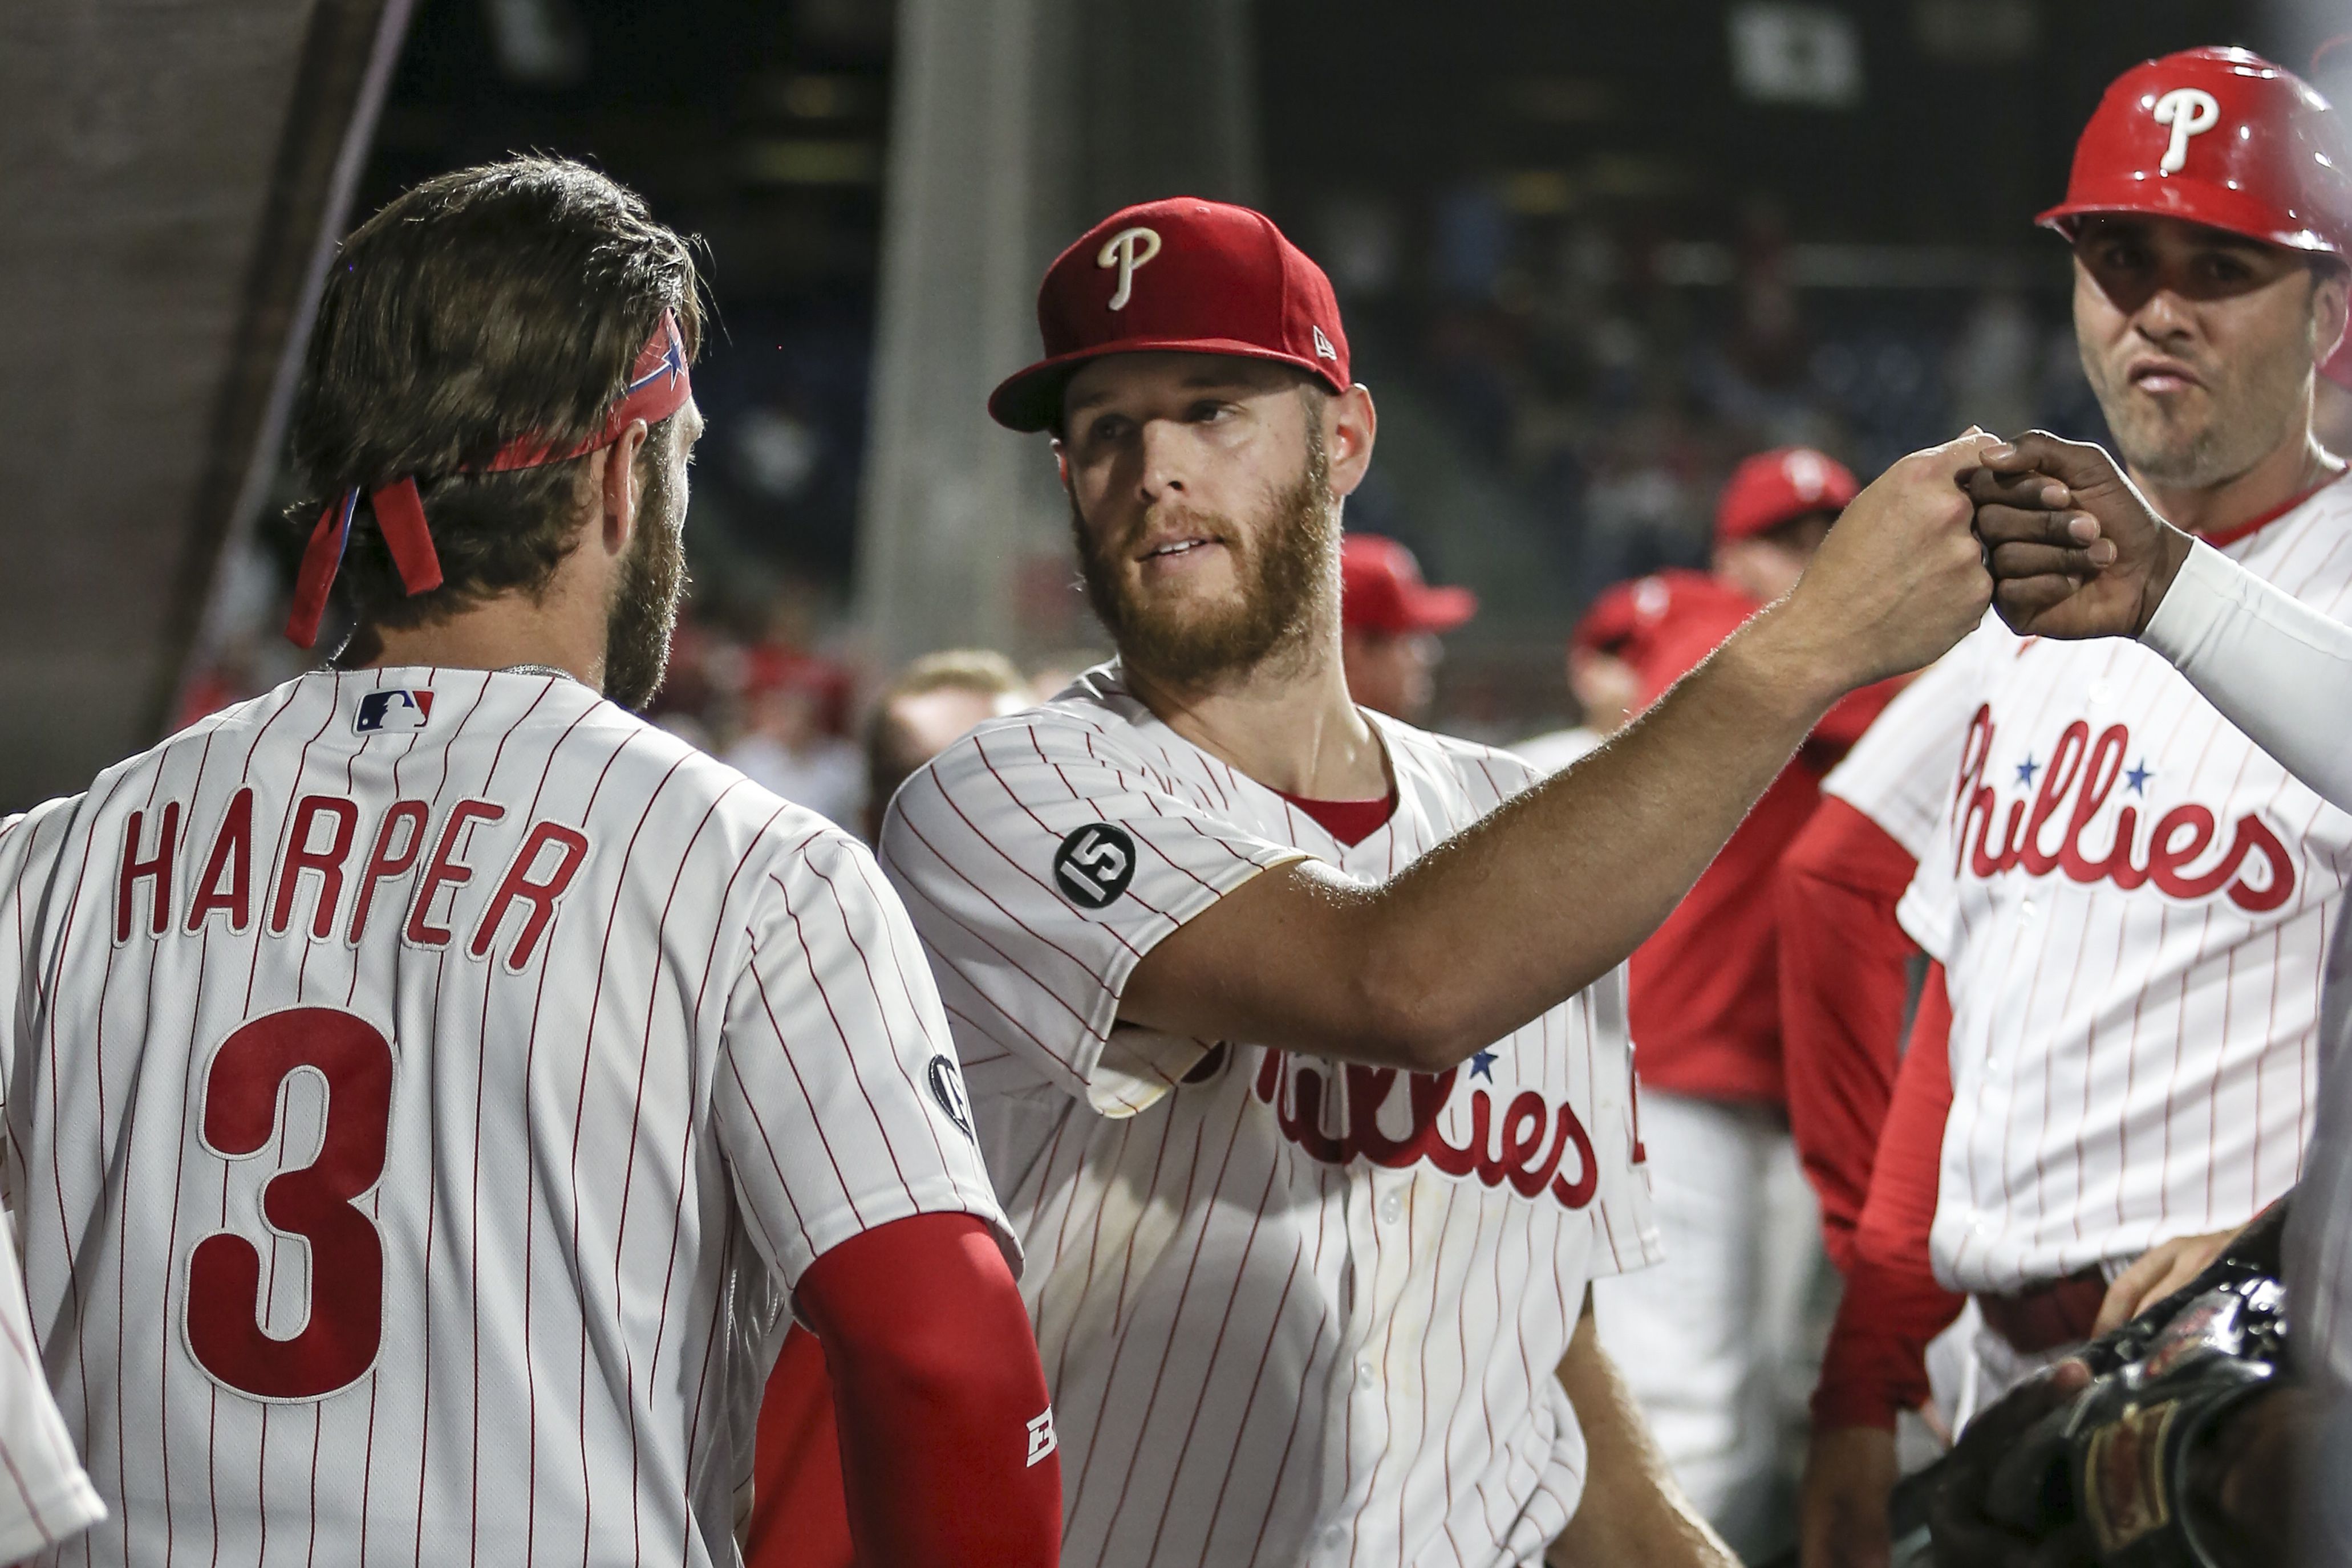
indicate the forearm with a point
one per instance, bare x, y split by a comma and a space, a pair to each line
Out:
1631, 1515
938, 1398
2277, 668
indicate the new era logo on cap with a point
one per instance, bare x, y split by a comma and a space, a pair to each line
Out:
395, 708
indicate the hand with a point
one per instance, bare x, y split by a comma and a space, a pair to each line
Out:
2161, 1271
2075, 549
1901, 578
1850, 1475
1978, 1515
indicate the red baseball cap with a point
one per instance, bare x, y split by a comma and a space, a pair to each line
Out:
1183, 275
1381, 589
1779, 487
1625, 615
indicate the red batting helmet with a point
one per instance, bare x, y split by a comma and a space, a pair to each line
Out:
2219, 137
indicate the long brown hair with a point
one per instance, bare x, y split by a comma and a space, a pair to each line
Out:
489, 303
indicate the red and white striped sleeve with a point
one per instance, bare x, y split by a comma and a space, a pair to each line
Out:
838, 1095
1041, 858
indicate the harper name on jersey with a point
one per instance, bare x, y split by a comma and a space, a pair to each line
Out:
2132, 903
1291, 1311
418, 1108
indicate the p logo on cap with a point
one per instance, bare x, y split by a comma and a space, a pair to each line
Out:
1127, 250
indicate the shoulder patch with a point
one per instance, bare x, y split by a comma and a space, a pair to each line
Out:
946, 1088
1094, 866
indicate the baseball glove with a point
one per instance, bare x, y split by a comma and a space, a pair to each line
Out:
2089, 1463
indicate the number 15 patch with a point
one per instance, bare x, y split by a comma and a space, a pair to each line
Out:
1095, 865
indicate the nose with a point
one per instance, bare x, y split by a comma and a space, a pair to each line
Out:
1165, 460
2165, 315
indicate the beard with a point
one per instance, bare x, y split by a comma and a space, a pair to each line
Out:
1282, 571
645, 599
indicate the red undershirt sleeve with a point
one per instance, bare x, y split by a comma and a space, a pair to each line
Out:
1843, 981
1877, 1361
946, 1443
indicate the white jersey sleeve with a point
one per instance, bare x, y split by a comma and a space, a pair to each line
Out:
1042, 857
1900, 773
44, 1498
2277, 668
838, 1095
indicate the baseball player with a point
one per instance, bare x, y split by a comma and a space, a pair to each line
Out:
2127, 901
1712, 1340
1297, 1035
1389, 620
2078, 553
428, 1086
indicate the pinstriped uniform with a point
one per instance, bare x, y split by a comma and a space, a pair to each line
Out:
1291, 1312
2133, 905
413, 1129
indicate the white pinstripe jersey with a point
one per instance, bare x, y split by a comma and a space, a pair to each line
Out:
2132, 904
417, 1082
1292, 1311
44, 1495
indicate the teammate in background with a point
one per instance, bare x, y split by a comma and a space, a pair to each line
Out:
933, 701
2126, 900
1297, 1034
1389, 620
1601, 673
429, 1085
1714, 1341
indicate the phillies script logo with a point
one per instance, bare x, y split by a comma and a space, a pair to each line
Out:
1525, 1146
2047, 831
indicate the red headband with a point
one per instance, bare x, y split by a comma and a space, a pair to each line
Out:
658, 387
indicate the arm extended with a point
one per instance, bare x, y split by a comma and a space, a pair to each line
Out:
1534, 902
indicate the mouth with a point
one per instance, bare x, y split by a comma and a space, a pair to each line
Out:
2160, 377
1178, 548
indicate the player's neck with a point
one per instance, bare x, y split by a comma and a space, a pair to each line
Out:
513, 629
2291, 469
1292, 729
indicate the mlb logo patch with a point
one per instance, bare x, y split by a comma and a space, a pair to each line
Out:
397, 708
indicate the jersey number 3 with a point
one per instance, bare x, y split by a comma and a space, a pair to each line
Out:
338, 1344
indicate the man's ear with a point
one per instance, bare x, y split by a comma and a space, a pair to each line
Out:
2331, 299
1350, 424
621, 491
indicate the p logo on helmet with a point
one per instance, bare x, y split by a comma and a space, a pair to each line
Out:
1127, 250
2190, 111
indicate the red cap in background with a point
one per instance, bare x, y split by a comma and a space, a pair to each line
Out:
1381, 589
1183, 275
1779, 487
1625, 616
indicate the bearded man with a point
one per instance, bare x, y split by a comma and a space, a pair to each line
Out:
536, 1061
1297, 1034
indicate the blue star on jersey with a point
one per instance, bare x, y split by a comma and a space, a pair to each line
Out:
2138, 776
1482, 1065
2027, 769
